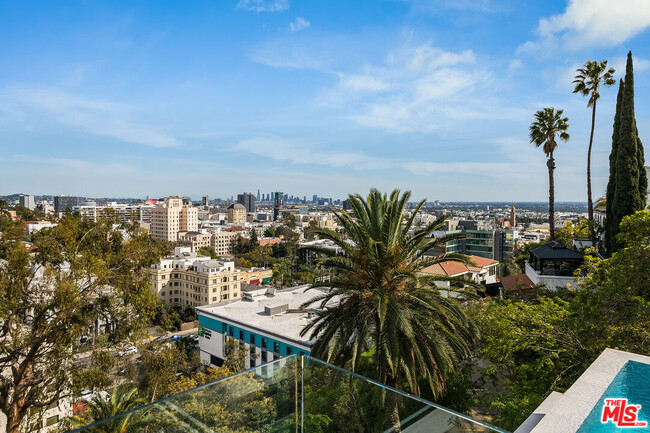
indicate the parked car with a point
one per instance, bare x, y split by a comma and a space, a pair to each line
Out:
128, 351
175, 338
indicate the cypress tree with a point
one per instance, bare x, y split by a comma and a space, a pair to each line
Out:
610, 238
629, 176
643, 175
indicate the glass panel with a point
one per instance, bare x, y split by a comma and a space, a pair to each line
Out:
291, 395
262, 399
337, 400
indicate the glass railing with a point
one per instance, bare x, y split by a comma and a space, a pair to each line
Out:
293, 394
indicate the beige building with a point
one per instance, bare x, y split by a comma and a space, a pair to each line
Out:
223, 242
236, 213
171, 217
186, 279
195, 240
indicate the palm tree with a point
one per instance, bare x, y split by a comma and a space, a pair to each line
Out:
383, 306
119, 401
587, 81
548, 123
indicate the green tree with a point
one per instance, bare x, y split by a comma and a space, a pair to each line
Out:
587, 81
547, 125
385, 300
254, 242
310, 234
611, 227
613, 307
241, 245
269, 232
289, 220
628, 179
532, 349
119, 401
159, 367
82, 272
208, 251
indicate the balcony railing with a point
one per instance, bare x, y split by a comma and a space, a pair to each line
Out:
292, 394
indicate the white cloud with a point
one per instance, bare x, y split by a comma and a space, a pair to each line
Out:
585, 23
97, 116
514, 65
264, 5
417, 89
68, 164
305, 154
299, 24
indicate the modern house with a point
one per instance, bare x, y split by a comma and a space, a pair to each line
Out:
553, 265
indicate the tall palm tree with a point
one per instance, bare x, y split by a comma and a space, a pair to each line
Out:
383, 305
119, 401
587, 81
549, 123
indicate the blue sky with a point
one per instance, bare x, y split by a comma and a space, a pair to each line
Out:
307, 97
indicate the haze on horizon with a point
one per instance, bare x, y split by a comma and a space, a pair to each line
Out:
123, 99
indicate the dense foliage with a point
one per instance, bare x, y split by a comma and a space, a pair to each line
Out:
76, 274
544, 344
628, 181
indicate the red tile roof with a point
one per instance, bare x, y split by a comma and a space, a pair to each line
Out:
517, 282
451, 268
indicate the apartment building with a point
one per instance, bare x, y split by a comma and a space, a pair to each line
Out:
63, 203
266, 323
187, 279
171, 217
223, 242
123, 212
195, 240
236, 213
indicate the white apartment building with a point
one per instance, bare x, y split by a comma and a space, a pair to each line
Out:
187, 279
171, 217
125, 212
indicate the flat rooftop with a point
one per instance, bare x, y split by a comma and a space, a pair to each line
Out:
251, 312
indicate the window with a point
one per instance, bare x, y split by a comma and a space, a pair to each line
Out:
264, 342
214, 299
289, 351
251, 338
276, 347
52, 420
162, 293
264, 356
252, 362
241, 335
230, 331
215, 360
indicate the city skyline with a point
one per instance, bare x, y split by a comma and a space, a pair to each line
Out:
129, 100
